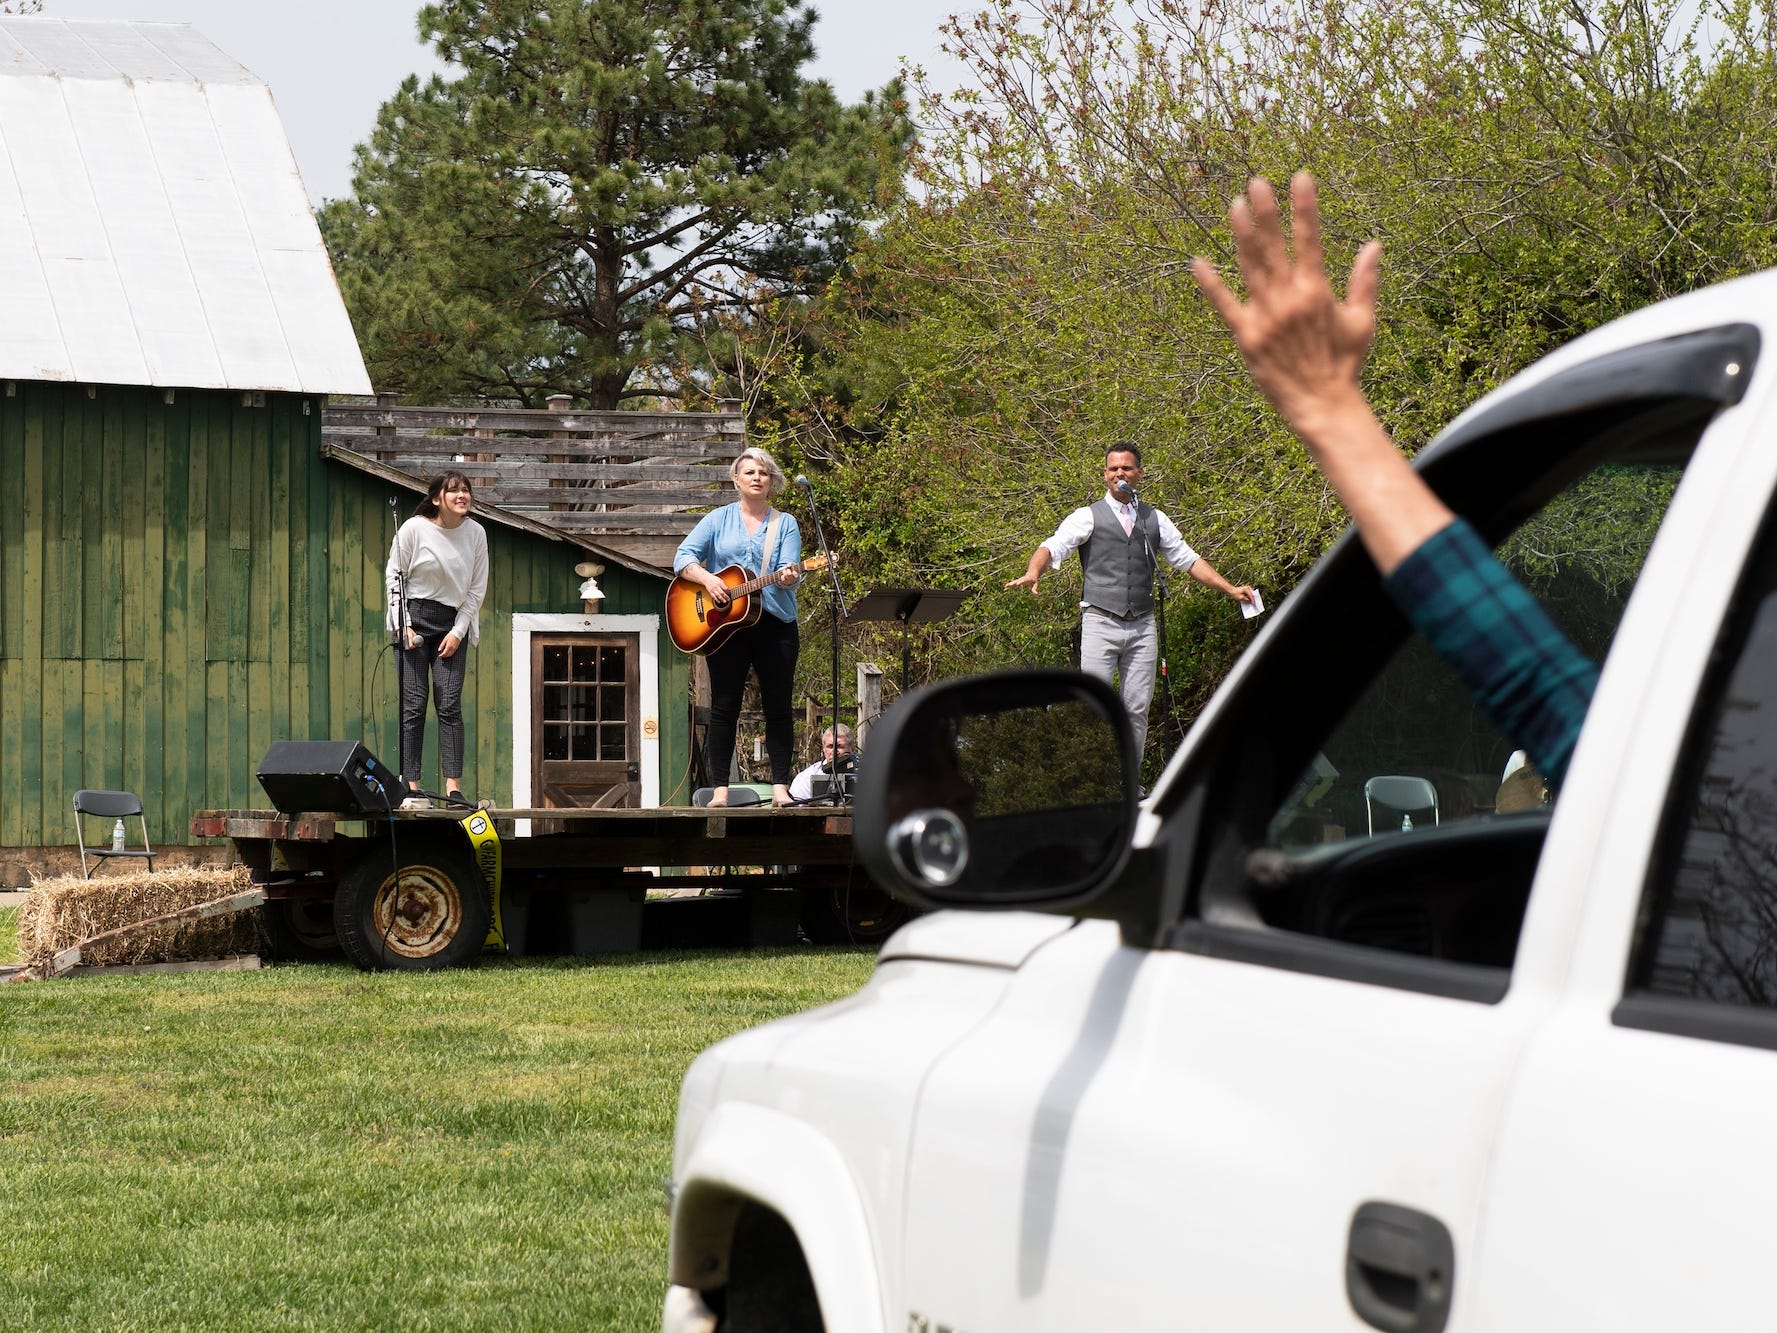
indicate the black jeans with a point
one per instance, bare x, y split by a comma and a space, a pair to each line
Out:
769, 649
432, 621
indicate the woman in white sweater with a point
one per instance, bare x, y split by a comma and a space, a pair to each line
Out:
439, 565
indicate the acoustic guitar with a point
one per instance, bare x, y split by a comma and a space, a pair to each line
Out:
697, 625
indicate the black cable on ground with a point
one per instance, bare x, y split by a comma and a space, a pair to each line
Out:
390, 807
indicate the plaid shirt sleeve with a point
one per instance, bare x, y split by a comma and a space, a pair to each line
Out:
1533, 684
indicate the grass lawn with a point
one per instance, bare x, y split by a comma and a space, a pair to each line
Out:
315, 1147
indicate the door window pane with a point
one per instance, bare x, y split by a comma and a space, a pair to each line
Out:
1414, 751
1712, 933
583, 713
1414, 827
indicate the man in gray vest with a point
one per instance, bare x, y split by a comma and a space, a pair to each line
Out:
1119, 539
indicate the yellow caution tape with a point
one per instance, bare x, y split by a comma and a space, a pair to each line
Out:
484, 842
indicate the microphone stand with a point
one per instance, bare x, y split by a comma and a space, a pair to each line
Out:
400, 593
838, 611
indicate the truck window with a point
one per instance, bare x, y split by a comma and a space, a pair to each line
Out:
1709, 931
1409, 825
1413, 753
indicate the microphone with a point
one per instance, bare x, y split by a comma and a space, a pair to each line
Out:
1125, 489
804, 482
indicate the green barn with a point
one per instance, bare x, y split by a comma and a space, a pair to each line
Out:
191, 575
191, 580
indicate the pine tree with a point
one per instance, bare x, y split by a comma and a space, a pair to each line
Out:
599, 178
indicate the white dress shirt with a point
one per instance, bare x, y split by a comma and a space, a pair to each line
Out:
1076, 529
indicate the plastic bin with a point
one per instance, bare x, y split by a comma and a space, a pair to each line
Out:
604, 920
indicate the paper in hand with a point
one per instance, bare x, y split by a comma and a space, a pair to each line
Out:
1256, 607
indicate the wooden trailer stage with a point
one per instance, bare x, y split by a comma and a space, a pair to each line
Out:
582, 881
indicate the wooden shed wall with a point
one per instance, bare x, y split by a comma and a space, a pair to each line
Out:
183, 583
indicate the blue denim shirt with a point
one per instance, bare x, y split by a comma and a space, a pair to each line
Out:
1529, 679
721, 539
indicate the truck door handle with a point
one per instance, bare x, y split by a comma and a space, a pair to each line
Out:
1400, 1266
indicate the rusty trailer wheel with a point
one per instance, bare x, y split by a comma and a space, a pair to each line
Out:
434, 915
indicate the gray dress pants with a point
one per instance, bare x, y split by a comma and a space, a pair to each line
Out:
1111, 648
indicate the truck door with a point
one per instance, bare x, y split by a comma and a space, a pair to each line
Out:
1636, 1164
1271, 1104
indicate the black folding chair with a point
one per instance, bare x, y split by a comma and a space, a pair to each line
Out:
111, 806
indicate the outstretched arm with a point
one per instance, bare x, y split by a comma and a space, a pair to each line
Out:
1205, 573
1306, 349
1040, 559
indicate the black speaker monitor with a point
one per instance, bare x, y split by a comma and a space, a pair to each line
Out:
331, 777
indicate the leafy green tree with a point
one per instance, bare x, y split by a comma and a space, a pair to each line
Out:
1534, 168
597, 181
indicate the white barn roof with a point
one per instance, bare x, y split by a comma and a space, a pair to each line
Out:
153, 226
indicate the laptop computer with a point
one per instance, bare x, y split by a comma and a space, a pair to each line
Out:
822, 785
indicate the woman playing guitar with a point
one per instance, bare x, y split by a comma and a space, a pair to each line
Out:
750, 533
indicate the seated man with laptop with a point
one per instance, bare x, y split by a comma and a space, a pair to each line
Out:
837, 765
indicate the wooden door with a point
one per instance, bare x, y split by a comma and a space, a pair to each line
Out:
585, 721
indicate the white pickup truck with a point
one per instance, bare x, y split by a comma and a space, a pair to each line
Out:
1286, 1048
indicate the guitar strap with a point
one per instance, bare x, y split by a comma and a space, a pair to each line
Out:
770, 543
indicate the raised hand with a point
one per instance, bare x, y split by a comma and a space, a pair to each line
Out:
1306, 349
1303, 346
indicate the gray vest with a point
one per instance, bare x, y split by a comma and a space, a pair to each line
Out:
1119, 571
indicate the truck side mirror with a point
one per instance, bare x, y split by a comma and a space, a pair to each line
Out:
1013, 790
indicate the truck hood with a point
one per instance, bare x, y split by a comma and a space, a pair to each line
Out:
987, 939
850, 1071
934, 979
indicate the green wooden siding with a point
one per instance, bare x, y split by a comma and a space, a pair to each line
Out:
184, 583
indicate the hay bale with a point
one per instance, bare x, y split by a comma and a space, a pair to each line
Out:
64, 910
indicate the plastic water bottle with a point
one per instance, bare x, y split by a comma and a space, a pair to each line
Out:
1406, 823
117, 836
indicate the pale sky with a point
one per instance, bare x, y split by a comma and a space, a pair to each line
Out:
332, 63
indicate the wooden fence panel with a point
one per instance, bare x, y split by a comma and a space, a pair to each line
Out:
634, 482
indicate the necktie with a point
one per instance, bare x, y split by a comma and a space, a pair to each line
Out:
1127, 519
